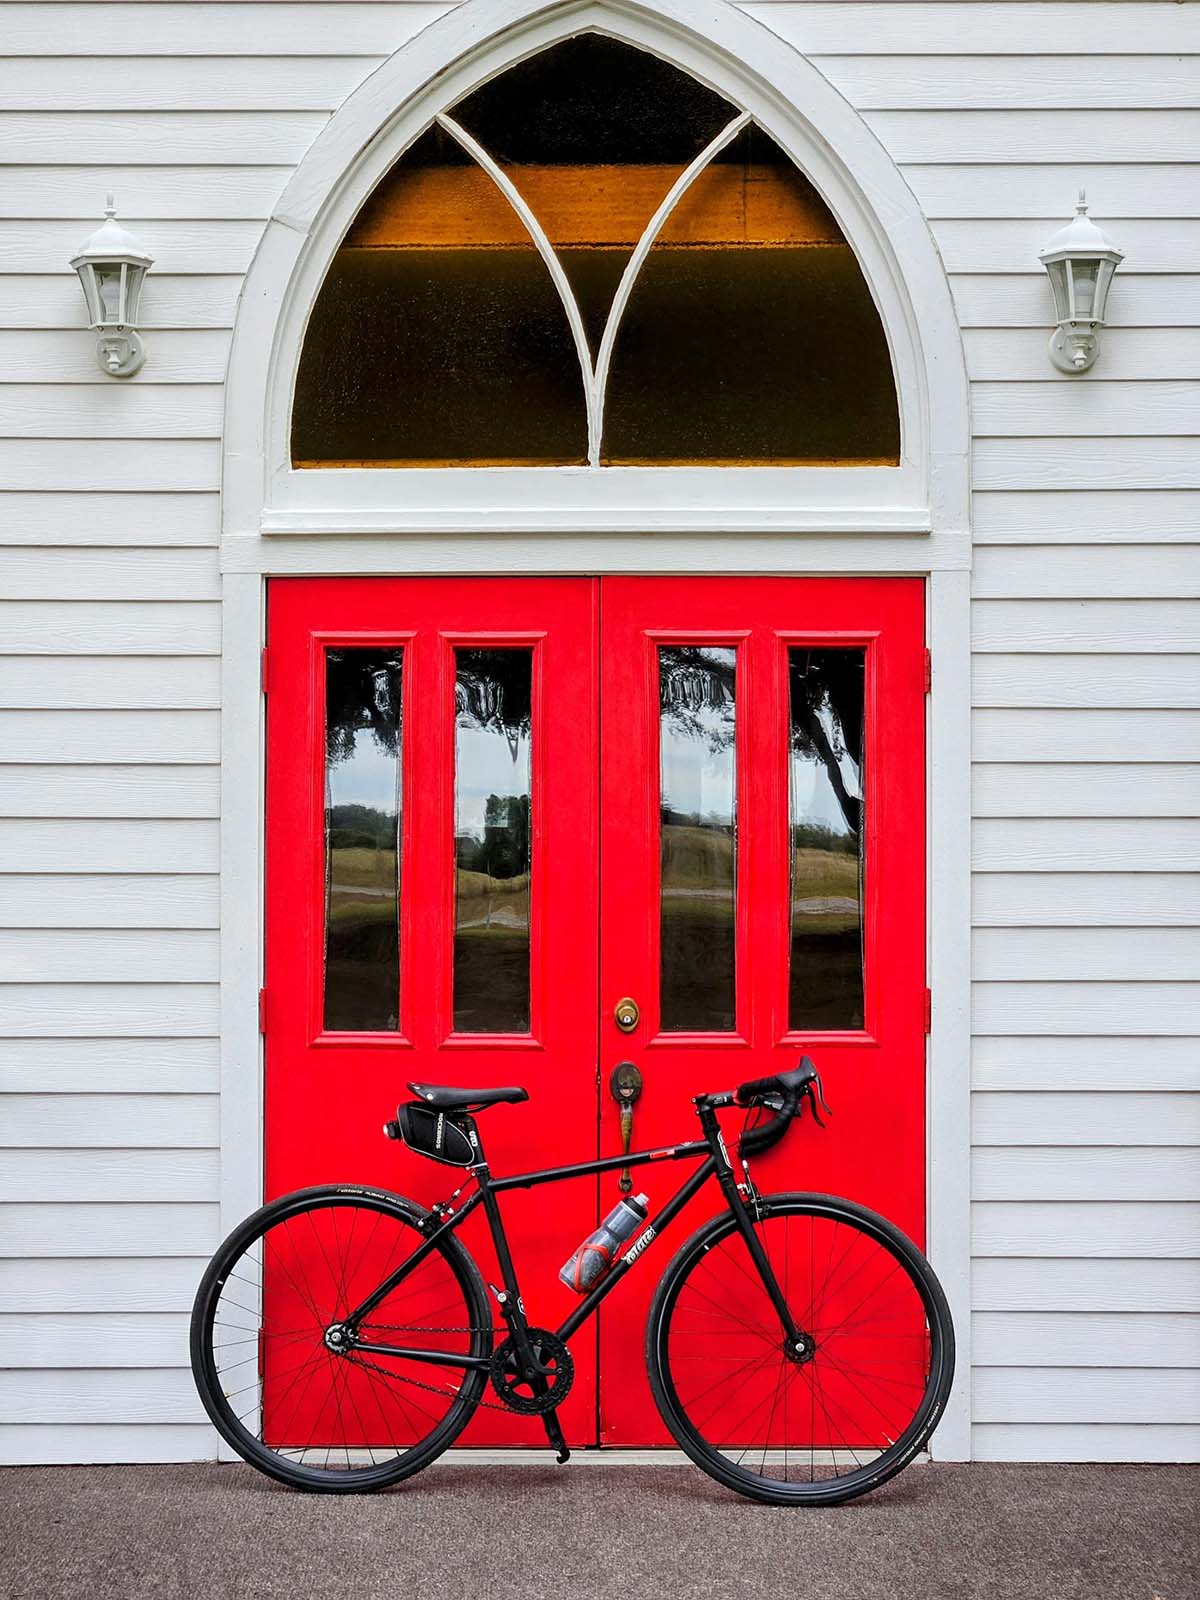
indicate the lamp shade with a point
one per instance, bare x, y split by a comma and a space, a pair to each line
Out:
112, 267
1080, 261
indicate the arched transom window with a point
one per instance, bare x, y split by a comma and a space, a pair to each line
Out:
594, 260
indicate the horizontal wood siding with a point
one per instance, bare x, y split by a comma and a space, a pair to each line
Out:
1086, 732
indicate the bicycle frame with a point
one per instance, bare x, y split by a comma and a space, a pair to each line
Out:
716, 1162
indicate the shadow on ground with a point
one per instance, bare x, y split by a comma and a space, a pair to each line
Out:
985, 1532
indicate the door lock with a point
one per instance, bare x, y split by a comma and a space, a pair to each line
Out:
626, 1014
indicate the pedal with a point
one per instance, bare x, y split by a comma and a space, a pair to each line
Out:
555, 1435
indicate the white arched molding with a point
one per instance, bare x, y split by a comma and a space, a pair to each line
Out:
758, 73
913, 519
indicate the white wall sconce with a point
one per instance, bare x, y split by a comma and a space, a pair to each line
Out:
112, 267
1080, 261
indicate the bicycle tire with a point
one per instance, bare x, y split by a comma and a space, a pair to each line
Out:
667, 1324
279, 1295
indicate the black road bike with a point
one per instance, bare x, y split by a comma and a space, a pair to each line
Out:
800, 1349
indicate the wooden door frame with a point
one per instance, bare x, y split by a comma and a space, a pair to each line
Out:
807, 523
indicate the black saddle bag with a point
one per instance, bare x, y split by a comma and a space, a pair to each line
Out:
444, 1136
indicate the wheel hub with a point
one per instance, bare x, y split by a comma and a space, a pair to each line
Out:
338, 1338
801, 1349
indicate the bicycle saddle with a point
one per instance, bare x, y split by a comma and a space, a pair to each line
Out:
444, 1098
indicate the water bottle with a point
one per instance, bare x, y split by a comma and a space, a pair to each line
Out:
598, 1251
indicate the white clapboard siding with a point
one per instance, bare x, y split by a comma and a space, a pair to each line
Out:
1094, 954
1005, 734
1084, 573
1085, 681
1015, 189
166, 192
1054, 844
120, 574
1018, 355
1107, 407
108, 955
108, 1066
1004, 1172
1133, 1065
178, 247
170, 1121
38, 28
120, 1010
1073, 1283
1087, 790
108, 845
1082, 463
1169, 1008
984, 82
1086, 1118
69, 1232
1081, 1339
83, 137
79, 1443
83, 1395
49, 357
1085, 627
169, 300
108, 900
1115, 1229
193, 83
146, 520
1086, 1442
86, 1175
1085, 1395
109, 628
93, 1341
1022, 135
87, 682
109, 736
182, 465
990, 299
1087, 516
144, 410
158, 1284
1080, 899
937, 27
62, 791
1161, 245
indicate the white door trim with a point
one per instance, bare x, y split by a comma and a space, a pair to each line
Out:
789, 520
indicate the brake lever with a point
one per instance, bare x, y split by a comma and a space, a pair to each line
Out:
814, 1093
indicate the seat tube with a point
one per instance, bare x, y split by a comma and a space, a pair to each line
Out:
511, 1306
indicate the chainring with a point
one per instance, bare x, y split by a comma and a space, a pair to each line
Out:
516, 1390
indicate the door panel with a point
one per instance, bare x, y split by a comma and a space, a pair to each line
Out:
737, 909
459, 716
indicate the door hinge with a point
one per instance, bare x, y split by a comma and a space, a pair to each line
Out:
264, 670
262, 1011
928, 669
929, 1011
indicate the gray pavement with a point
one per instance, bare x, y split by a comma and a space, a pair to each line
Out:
599, 1533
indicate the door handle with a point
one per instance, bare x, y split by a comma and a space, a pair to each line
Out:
625, 1085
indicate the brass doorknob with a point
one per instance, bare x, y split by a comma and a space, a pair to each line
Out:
626, 1014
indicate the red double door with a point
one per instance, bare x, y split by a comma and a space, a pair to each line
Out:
499, 808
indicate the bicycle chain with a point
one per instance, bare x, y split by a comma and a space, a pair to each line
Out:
430, 1388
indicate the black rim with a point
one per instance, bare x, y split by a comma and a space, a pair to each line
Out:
837, 1409
276, 1365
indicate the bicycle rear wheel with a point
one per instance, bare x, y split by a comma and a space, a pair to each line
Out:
833, 1417
280, 1391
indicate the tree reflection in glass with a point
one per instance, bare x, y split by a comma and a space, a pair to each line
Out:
493, 747
698, 810
363, 722
827, 845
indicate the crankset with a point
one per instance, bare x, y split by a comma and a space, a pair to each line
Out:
533, 1394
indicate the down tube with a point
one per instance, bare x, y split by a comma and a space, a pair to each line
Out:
666, 1216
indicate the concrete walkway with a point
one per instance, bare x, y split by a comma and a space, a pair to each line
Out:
653, 1532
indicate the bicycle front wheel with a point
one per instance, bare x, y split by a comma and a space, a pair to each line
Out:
269, 1355
827, 1417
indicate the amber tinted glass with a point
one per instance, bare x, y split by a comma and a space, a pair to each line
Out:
425, 348
698, 774
750, 335
827, 838
362, 838
593, 133
493, 754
